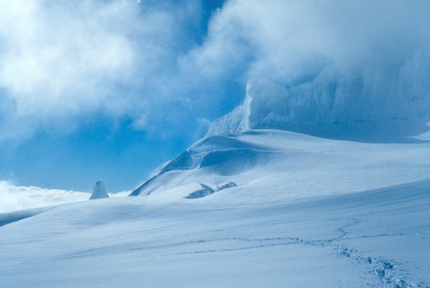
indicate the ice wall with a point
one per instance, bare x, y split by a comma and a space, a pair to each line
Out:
337, 103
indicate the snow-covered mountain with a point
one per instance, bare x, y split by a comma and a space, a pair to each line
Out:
255, 137
249, 205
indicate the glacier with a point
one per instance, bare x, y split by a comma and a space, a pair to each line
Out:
333, 106
261, 201
303, 212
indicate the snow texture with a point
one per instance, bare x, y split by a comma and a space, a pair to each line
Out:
301, 212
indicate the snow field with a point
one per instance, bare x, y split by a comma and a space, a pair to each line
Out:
310, 212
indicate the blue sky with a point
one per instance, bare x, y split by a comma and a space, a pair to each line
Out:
112, 89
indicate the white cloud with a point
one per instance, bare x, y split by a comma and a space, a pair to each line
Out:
57, 61
63, 59
288, 39
15, 198
383, 45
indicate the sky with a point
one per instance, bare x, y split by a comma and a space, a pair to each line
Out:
111, 89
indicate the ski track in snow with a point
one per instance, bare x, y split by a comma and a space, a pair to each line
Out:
384, 269
388, 272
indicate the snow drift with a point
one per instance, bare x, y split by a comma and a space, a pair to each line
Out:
303, 165
264, 207
220, 155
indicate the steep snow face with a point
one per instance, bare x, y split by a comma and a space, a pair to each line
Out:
333, 106
99, 191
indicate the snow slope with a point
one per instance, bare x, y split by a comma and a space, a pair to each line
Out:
254, 205
302, 165
273, 209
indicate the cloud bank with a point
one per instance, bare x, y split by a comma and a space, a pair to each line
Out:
165, 63
15, 198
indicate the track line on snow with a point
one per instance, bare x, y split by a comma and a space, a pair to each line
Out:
384, 269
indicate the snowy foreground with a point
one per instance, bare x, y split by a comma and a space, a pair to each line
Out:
299, 211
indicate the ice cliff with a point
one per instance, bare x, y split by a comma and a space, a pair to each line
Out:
335, 106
